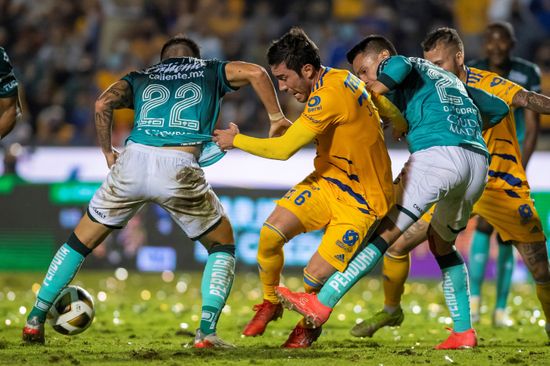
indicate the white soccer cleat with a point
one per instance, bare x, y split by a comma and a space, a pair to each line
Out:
210, 341
501, 319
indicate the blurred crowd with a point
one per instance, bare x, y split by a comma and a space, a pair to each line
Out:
66, 52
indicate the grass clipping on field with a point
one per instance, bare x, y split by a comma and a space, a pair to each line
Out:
150, 319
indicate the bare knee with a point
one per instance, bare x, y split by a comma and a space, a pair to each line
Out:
222, 233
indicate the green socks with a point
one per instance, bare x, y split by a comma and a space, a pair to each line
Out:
505, 268
479, 254
63, 267
455, 290
217, 280
341, 282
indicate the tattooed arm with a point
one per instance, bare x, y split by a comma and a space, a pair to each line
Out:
117, 96
534, 101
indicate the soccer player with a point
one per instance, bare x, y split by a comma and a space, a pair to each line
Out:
9, 102
448, 165
506, 201
176, 103
350, 189
499, 39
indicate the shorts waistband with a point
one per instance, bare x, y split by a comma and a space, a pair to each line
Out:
160, 151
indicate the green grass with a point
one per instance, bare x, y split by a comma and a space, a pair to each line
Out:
129, 330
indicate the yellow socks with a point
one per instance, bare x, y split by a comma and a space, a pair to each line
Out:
311, 284
271, 259
395, 272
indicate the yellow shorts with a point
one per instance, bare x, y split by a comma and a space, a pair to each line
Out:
511, 213
316, 204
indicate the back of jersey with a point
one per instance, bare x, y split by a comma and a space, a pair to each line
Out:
434, 102
177, 101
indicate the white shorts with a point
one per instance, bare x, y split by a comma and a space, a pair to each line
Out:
452, 176
170, 178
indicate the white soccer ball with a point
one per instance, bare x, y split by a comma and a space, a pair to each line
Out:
72, 312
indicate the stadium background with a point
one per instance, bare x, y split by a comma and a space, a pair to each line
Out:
65, 53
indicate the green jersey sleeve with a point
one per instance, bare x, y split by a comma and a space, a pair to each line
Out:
492, 108
393, 70
8, 82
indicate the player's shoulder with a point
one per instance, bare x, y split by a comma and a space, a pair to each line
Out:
330, 81
476, 75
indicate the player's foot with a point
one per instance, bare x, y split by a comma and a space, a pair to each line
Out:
33, 331
475, 305
210, 341
368, 327
302, 337
314, 312
265, 312
501, 319
462, 340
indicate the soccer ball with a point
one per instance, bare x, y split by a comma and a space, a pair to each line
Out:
72, 312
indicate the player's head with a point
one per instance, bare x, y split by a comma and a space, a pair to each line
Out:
444, 48
366, 56
179, 46
295, 62
499, 39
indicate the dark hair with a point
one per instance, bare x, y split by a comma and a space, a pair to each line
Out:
505, 27
372, 43
449, 36
183, 41
295, 49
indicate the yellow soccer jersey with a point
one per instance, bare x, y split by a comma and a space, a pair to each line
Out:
351, 153
505, 172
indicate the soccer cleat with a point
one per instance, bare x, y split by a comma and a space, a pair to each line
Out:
265, 312
33, 331
368, 327
501, 319
210, 341
462, 340
301, 337
475, 306
314, 312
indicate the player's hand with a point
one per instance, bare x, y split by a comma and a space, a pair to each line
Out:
224, 138
278, 128
111, 157
397, 134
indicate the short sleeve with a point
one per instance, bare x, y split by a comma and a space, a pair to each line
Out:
129, 78
225, 87
502, 88
393, 70
323, 109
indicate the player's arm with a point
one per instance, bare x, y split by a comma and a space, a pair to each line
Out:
278, 148
532, 128
388, 110
8, 114
118, 95
531, 100
393, 71
492, 108
240, 73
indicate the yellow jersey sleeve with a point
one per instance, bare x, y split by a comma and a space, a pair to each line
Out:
502, 88
323, 109
388, 110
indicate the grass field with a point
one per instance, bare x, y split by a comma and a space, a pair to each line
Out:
149, 319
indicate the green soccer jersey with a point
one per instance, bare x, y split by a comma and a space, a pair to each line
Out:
8, 82
439, 108
521, 72
177, 103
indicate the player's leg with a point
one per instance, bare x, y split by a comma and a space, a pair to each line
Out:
301, 209
516, 220
535, 257
479, 254
217, 281
395, 271
63, 268
450, 217
505, 269
106, 212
